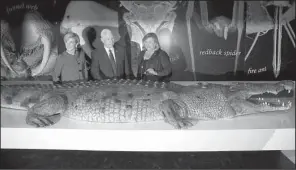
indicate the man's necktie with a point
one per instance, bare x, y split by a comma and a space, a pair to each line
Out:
113, 64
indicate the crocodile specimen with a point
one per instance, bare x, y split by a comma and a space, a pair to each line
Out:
141, 101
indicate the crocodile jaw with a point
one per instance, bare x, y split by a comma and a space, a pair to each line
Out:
272, 103
277, 101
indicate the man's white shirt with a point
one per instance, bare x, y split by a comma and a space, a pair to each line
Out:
108, 51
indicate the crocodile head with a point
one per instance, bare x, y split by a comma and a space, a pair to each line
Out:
272, 102
266, 98
212, 101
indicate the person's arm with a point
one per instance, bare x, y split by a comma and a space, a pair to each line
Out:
166, 64
127, 67
58, 68
139, 63
95, 67
85, 71
138, 49
182, 60
84, 66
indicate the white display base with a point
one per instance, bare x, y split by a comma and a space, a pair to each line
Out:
268, 131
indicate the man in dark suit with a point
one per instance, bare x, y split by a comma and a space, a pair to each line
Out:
109, 60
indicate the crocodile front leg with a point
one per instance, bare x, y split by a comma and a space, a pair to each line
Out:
48, 111
176, 115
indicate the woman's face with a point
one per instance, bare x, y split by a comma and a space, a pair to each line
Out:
150, 44
71, 44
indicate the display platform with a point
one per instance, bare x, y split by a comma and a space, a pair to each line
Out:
265, 131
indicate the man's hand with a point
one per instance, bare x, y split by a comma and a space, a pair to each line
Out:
151, 71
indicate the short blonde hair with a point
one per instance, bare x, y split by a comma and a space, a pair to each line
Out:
71, 35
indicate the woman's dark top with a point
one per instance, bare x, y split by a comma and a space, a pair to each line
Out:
159, 61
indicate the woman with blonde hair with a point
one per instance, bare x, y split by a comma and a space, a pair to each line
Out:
71, 64
154, 63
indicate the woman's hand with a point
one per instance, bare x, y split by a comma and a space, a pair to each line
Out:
151, 71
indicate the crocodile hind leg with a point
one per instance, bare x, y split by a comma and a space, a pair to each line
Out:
245, 107
176, 115
47, 111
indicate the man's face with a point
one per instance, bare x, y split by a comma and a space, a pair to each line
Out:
71, 44
108, 40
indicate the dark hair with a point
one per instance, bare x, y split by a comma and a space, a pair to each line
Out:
153, 36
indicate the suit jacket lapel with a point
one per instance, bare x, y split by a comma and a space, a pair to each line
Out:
117, 59
107, 60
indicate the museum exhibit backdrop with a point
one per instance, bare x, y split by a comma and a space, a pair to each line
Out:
270, 40
25, 46
219, 40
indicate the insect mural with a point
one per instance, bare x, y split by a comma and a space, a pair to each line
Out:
258, 21
28, 43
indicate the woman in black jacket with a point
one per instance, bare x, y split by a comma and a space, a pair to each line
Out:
153, 63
